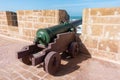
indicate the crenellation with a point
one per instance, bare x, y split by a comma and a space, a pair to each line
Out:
105, 27
25, 23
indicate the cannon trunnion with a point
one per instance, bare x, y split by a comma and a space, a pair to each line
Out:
49, 44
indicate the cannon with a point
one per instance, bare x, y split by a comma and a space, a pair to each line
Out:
45, 36
50, 43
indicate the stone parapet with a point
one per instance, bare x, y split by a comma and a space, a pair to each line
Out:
101, 32
25, 23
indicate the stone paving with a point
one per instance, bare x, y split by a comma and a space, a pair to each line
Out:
79, 68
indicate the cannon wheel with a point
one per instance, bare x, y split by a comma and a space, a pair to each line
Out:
73, 49
52, 62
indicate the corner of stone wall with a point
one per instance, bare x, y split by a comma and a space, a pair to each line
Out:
63, 16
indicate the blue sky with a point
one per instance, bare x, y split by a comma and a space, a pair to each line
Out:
73, 7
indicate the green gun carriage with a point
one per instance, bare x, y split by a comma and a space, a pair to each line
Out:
49, 44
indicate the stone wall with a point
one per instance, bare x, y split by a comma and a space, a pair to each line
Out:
25, 23
101, 33
8, 23
3, 23
31, 20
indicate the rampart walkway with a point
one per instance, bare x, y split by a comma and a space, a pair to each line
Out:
80, 68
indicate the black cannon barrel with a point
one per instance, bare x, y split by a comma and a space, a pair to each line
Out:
45, 36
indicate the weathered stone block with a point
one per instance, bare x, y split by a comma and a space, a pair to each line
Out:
27, 32
90, 42
41, 19
92, 29
105, 11
85, 15
97, 30
38, 25
92, 52
109, 45
28, 12
84, 29
49, 13
21, 24
38, 13
4, 23
112, 32
107, 55
13, 29
28, 24
4, 27
33, 33
2, 17
49, 20
20, 13
29, 18
106, 20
